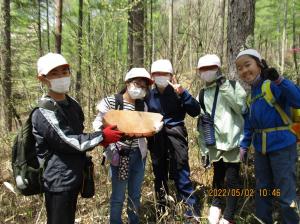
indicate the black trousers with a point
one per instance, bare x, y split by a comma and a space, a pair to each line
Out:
169, 154
61, 207
226, 177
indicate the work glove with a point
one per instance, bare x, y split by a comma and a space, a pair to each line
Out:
243, 155
110, 135
270, 73
205, 161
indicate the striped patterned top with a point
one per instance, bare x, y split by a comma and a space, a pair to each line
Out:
110, 103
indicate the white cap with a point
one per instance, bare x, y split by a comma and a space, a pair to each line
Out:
209, 60
162, 65
251, 52
138, 73
50, 61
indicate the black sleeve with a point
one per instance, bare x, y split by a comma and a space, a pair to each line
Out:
49, 136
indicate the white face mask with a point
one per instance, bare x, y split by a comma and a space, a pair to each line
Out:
60, 85
208, 76
161, 81
136, 92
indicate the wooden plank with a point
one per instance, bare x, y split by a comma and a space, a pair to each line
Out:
133, 123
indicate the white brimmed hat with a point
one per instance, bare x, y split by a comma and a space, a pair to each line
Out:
162, 65
138, 73
50, 61
209, 60
251, 52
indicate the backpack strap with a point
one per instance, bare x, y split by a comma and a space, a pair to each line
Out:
139, 105
201, 100
213, 110
119, 105
269, 97
50, 104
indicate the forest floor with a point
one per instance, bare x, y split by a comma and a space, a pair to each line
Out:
15, 208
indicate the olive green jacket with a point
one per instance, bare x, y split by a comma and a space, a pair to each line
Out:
228, 121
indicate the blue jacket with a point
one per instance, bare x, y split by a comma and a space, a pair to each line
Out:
171, 106
261, 115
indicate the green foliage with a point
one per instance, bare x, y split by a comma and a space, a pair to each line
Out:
196, 31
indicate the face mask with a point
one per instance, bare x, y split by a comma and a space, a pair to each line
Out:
136, 92
60, 85
208, 76
161, 81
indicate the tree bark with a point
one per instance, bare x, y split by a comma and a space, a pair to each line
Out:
136, 18
130, 36
240, 29
6, 65
89, 64
138, 38
283, 40
39, 28
171, 31
48, 31
152, 33
79, 52
58, 25
278, 40
294, 44
222, 24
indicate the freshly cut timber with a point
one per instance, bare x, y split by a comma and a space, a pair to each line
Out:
134, 123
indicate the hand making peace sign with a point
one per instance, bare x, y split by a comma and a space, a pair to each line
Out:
176, 86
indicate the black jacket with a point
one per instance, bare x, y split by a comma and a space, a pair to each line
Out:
60, 138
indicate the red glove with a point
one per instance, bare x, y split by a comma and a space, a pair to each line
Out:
110, 135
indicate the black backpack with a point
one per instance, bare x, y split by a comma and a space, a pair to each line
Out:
27, 171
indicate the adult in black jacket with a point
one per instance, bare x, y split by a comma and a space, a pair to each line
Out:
61, 141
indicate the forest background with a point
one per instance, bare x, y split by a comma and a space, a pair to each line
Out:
102, 40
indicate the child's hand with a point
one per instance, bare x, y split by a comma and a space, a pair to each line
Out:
176, 86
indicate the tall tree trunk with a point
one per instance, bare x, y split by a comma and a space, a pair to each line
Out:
137, 16
222, 24
171, 31
130, 36
6, 65
89, 64
146, 34
283, 40
191, 62
240, 29
152, 33
199, 47
48, 31
58, 25
266, 47
79, 52
39, 28
278, 41
294, 44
